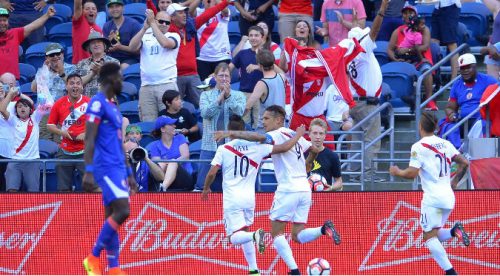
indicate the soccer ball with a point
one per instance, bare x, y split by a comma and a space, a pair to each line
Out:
318, 266
317, 182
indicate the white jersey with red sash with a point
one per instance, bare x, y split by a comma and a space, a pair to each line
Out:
365, 76
26, 135
214, 38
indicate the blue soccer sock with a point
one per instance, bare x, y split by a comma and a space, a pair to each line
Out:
113, 251
108, 230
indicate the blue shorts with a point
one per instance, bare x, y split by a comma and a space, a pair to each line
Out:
113, 184
444, 24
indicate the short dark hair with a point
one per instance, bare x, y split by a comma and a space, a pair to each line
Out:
266, 59
169, 96
25, 102
73, 75
256, 28
277, 111
236, 123
428, 121
108, 69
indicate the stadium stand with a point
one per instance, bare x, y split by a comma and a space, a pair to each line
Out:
400, 77
130, 110
63, 14
136, 11
132, 74
27, 72
35, 54
61, 33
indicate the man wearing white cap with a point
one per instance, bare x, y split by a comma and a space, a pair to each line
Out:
466, 92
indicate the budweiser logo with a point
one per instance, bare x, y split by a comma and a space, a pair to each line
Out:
169, 236
20, 232
400, 235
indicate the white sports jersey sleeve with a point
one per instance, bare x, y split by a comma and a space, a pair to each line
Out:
432, 156
290, 166
240, 161
365, 75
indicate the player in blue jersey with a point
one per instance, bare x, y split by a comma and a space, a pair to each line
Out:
106, 165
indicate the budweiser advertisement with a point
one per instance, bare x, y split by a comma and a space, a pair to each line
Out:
178, 233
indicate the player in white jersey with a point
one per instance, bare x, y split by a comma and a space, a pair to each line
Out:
292, 198
240, 161
431, 159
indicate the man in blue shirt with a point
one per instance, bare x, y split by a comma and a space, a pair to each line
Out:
106, 165
466, 92
120, 30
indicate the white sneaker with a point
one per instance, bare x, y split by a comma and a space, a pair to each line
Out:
258, 237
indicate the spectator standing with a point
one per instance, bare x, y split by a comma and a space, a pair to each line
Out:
327, 163
392, 19
58, 72
5, 137
290, 12
214, 39
23, 123
84, 23
187, 27
186, 123
270, 90
246, 62
89, 67
216, 106
172, 146
10, 39
444, 28
340, 16
159, 49
147, 173
268, 44
162, 5
252, 11
120, 30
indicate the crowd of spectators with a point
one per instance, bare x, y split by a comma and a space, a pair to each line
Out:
181, 43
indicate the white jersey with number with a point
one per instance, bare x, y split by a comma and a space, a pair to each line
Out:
158, 64
240, 160
365, 76
290, 166
433, 155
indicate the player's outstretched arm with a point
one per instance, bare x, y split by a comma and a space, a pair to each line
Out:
212, 173
462, 165
245, 135
408, 173
301, 130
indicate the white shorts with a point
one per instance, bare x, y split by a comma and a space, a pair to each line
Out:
291, 207
236, 219
432, 217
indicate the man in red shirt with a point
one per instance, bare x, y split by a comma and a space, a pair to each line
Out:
186, 27
11, 39
84, 17
67, 119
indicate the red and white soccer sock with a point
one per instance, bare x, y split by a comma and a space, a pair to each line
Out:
241, 237
438, 253
250, 255
444, 234
281, 245
309, 234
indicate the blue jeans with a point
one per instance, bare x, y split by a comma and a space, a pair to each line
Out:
203, 169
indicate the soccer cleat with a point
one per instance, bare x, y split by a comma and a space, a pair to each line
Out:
116, 271
459, 232
329, 229
92, 265
431, 106
253, 272
258, 237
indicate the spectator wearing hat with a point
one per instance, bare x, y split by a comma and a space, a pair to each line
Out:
466, 92
186, 123
159, 49
133, 133
120, 30
84, 23
23, 123
10, 39
147, 173
89, 68
186, 27
171, 146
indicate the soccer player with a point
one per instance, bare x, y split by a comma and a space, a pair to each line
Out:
106, 165
431, 159
240, 160
292, 198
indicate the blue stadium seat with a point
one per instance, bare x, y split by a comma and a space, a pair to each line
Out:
235, 76
136, 11
21, 51
130, 89
130, 110
381, 52
132, 74
123, 98
48, 149
68, 55
146, 127
195, 147
475, 17
27, 73
26, 88
425, 11
317, 37
63, 14
235, 86
62, 34
51, 177
146, 140
400, 77
69, 3
35, 54
233, 31
189, 106
268, 181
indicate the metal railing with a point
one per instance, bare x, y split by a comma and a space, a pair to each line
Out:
418, 89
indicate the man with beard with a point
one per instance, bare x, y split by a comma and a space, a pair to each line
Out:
84, 17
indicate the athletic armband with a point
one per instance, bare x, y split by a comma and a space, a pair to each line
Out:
269, 139
89, 168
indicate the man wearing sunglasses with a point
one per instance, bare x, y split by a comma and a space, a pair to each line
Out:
159, 49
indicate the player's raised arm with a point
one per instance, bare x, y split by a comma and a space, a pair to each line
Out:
291, 142
462, 165
245, 135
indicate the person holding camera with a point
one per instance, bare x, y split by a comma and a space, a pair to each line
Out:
89, 68
147, 173
171, 146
